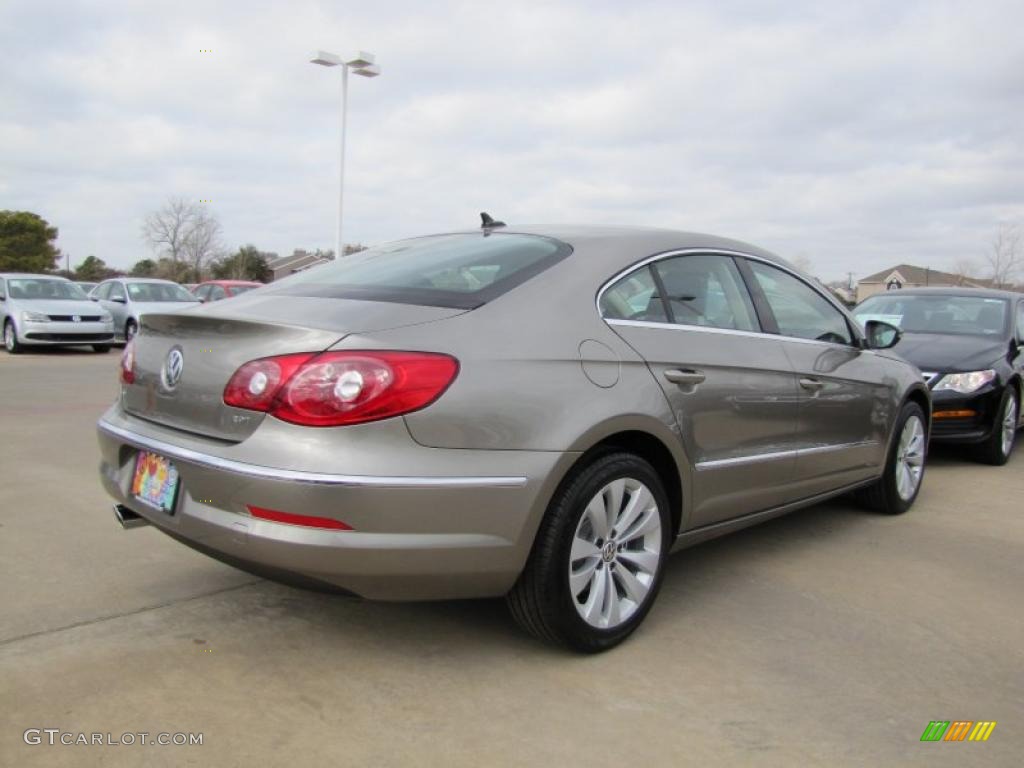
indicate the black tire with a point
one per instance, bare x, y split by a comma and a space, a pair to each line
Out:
992, 451
541, 600
130, 329
11, 343
101, 349
884, 495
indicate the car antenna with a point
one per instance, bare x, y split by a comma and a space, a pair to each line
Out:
486, 222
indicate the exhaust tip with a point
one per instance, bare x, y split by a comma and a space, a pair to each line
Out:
127, 518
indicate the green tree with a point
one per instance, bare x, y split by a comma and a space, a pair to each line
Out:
26, 243
93, 269
144, 268
247, 263
178, 271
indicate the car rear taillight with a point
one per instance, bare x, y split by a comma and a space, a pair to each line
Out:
338, 388
128, 362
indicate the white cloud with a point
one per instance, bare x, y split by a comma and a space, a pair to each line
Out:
859, 134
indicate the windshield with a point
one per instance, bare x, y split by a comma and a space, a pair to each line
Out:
158, 292
234, 290
967, 315
42, 288
459, 271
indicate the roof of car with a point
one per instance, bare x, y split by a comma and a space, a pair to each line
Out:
33, 275
142, 280
985, 293
228, 282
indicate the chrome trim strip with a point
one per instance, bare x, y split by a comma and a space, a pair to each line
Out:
795, 453
297, 476
698, 328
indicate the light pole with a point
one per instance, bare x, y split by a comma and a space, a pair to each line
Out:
361, 63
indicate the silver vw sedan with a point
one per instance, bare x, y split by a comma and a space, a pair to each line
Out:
541, 413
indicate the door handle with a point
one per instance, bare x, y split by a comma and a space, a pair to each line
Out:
684, 377
811, 385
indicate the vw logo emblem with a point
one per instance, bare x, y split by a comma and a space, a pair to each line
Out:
173, 366
76, 318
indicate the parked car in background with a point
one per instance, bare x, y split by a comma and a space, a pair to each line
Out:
45, 310
127, 299
969, 344
543, 414
85, 285
214, 290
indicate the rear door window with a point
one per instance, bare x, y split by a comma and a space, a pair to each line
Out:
706, 290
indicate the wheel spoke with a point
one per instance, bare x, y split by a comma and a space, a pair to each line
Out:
639, 501
613, 614
594, 608
598, 517
579, 579
649, 523
613, 494
582, 548
642, 559
634, 588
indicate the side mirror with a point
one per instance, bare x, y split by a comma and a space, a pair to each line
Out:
881, 335
93, 298
119, 299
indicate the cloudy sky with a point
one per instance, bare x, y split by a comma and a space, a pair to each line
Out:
854, 134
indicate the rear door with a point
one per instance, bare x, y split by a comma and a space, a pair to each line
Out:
731, 386
844, 403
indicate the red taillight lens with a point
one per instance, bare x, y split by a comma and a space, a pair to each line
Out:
338, 388
256, 384
128, 362
310, 521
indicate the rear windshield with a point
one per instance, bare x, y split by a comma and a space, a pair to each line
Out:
460, 271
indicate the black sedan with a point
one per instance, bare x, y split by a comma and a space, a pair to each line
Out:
969, 345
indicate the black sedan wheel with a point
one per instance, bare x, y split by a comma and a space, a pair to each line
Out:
997, 448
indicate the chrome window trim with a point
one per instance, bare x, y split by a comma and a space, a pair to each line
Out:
298, 476
759, 458
854, 328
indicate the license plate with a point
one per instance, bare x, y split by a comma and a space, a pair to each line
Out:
155, 481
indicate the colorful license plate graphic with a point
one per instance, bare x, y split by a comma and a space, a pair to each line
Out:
155, 481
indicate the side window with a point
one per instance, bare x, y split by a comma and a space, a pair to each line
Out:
1020, 322
116, 291
217, 292
3, 289
103, 292
202, 292
799, 310
634, 297
707, 290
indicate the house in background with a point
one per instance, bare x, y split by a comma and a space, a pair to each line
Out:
298, 261
909, 276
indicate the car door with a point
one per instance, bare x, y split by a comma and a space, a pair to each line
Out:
731, 386
117, 304
845, 402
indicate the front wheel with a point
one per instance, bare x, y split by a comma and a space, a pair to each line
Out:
895, 491
599, 556
101, 349
997, 448
11, 343
130, 329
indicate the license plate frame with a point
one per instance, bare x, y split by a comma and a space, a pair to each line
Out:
155, 482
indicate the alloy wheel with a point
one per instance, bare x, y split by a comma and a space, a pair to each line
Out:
615, 553
910, 458
9, 337
1009, 424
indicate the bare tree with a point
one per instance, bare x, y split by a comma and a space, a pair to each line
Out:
185, 233
203, 243
167, 230
965, 269
1005, 257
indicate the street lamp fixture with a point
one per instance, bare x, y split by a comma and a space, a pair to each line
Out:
363, 64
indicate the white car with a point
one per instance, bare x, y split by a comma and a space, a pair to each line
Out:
127, 299
46, 310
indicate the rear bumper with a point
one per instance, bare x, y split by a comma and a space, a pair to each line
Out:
415, 536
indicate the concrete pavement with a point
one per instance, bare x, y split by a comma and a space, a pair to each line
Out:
830, 637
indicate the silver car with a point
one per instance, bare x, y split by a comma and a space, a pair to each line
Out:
127, 299
542, 413
46, 310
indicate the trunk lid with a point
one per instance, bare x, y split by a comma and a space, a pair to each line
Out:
216, 340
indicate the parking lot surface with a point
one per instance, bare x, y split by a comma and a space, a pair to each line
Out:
828, 637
